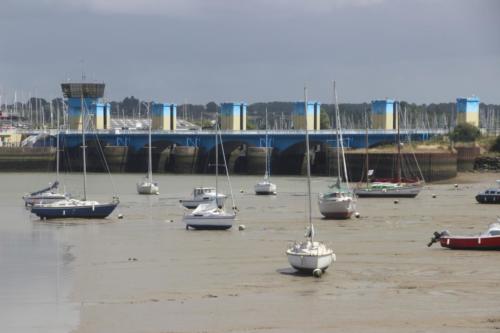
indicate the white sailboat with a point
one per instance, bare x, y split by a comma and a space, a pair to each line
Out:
147, 185
310, 255
203, 195
265, 187
211, 215
51, 193
397, 187
339, 202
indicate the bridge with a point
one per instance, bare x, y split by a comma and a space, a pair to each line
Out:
194, 151
279, 140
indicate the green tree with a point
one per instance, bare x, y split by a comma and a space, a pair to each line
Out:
496, 145
465, 133
324, 119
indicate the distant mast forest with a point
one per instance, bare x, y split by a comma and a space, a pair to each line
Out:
38, 111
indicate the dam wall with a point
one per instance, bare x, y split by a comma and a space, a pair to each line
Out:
433, 165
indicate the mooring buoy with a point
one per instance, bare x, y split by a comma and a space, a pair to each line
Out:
317, 272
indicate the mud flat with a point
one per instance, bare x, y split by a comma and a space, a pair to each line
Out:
147, 274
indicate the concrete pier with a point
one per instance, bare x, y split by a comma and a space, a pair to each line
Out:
116, 157
256, 159
185, 159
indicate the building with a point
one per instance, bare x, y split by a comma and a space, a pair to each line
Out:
86, 97
383, 114
310, 119
164, 116
468, 110
233, 116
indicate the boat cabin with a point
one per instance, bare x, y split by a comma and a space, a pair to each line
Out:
200, 191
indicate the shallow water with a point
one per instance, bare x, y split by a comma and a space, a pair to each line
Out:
82, 276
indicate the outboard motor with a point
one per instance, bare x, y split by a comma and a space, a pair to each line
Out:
437, 236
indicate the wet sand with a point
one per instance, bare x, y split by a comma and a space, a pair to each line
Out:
385, 278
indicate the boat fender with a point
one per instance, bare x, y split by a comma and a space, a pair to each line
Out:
317, 273
357, 215
120, 216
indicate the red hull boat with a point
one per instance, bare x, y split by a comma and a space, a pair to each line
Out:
489, 240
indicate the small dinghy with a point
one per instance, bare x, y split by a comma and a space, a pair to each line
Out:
489, 240
47, 195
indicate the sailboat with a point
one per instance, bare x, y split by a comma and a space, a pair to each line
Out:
147, 186
310, 255
339, 202
211, 215
74, 208
265, 187
51, 193
397, 187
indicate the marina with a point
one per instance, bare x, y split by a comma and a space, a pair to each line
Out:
162, 170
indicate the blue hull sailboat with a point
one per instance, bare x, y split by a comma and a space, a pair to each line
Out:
74, 208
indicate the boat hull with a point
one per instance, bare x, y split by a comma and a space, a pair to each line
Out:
146, 188
203, 222
408, 192
488, 198
336, 209
471, 243
90, 212
309, 263
265, 189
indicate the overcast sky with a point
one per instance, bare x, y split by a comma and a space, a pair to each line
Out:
253, 50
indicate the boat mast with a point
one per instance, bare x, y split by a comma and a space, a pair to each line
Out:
337, 134
266, 176
150, 157
57, 147
311, 232
398, 175
216, 157
83, 149
366, 149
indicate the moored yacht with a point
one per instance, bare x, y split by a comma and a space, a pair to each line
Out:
203, 195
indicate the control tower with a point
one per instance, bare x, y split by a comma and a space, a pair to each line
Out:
89, 97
